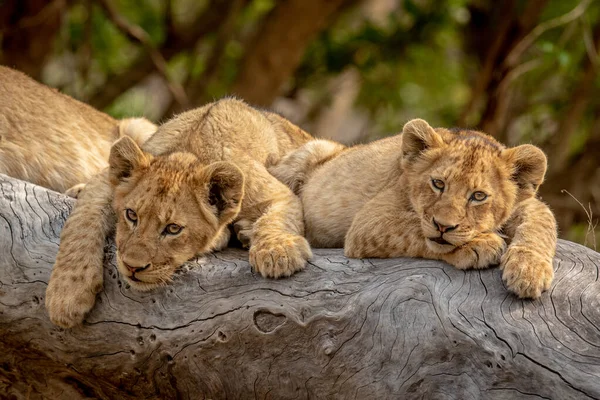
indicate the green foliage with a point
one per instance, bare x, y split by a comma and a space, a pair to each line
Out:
411, 64
546, 91
112, 50
256, 10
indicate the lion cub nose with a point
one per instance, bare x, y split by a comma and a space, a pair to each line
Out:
442, 227
136, 268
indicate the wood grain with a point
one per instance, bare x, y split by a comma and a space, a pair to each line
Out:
343, 328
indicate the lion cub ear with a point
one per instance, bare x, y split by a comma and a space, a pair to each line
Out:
125, 157
528, 164
225, 189
418, 136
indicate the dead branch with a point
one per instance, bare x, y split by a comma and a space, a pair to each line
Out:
278, 46
516, 53
175, 43
342, 328
137, 34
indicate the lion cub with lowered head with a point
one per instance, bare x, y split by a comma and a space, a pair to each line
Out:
431, 193
53, 140
173, 200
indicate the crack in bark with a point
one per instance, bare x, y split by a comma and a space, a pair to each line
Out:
555, 373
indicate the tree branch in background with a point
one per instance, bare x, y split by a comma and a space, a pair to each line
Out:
483, 79
560, 151
169, 21
514, 56
494, 116
196, 88
515, 27
175, 43
224, 35
28, 31
277, 48
586, 188
137, 34
85, 52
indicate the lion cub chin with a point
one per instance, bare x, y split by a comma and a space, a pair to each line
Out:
169, 209
451, 195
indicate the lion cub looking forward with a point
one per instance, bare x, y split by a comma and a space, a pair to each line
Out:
432, 193
174, 198
53, 140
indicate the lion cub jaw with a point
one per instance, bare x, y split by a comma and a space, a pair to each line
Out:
169, 209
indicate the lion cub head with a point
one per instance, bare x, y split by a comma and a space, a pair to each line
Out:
463, 183
169, 208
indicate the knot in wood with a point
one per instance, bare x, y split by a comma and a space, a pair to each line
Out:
266, 321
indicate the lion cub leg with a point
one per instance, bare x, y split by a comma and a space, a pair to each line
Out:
243, 231
295, 168
77, 273
75, 191
483, 251
382, 229
277, 245
527, 264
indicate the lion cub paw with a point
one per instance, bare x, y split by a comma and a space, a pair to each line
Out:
69, 298
75, 191
526, 272
279, 255
243, 231
481, 252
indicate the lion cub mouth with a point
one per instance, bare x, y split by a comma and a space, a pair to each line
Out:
440, 240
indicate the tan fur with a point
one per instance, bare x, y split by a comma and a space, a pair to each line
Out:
201, 170
53, 140
379, 200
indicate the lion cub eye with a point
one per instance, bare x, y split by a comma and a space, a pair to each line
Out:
131, 215
173, 229
478, 196
438, 184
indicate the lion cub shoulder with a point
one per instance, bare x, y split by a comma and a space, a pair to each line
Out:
53, 140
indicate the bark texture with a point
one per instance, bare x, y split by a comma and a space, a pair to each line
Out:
343, 328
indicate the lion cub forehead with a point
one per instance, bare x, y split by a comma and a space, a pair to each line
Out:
166, 183
470, 138
171, 173
178, 161
471, 158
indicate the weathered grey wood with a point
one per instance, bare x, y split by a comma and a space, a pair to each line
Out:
397, 328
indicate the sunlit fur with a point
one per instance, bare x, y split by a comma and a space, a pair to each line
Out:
53, 140
162, 191
379, 200
467, 162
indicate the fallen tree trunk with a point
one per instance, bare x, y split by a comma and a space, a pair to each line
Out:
343, 328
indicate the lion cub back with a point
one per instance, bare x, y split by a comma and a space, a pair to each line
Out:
334, 182
51, 139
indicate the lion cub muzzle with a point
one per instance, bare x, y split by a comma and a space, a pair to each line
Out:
442, 228
135, 271
135, 268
